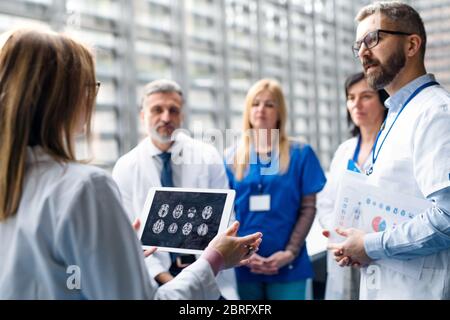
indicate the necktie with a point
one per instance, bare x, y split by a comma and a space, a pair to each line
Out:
166, 181
166, 173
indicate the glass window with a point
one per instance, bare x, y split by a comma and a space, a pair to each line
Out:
216, 50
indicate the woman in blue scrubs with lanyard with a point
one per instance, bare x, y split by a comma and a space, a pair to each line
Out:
365, 114
276, 180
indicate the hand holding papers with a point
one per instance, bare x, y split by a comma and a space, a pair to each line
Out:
369, 208
351, 251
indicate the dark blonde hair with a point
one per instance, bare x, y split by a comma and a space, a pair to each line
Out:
242, 157
47, 90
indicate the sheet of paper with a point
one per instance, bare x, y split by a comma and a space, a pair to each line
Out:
372, 209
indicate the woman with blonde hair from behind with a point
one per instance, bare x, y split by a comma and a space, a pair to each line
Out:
63, 231
276, 180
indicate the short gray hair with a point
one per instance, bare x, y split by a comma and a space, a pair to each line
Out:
402, 15
161, 86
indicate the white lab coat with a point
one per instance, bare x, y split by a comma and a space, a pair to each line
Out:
407, 164
342, 283
200, 166
71, 223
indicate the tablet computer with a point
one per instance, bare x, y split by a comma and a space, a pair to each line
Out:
184, 220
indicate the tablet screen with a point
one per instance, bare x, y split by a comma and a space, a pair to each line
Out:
184, 220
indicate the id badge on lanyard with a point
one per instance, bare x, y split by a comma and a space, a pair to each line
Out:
261, 201
353, 166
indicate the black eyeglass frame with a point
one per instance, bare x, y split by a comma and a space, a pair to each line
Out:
357, 44
97, 86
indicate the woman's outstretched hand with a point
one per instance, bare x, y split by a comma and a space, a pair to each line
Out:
235, 250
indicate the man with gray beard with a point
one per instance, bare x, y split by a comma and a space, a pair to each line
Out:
169, 158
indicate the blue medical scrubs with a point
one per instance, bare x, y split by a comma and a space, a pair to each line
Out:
303, 177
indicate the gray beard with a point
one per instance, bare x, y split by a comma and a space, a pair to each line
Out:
161, 139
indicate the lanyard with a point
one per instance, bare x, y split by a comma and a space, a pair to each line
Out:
353, 163
260, 181
412, 96
259, 166
357, 150
260, 178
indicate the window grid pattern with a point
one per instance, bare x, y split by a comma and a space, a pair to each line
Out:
216, 50
437, 25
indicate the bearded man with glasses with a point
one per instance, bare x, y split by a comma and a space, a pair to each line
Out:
410, 156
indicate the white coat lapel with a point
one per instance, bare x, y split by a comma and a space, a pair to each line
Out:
150, 175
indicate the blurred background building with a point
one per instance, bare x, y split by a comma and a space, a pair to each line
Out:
216, 49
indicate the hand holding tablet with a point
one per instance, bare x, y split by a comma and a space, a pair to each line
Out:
136, 226
189, 220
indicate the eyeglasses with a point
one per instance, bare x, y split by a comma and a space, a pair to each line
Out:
97, 87
96, 84
371, 39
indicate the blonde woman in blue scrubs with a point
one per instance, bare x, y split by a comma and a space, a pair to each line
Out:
276, 180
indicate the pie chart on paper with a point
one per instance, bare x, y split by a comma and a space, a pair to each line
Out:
378, 224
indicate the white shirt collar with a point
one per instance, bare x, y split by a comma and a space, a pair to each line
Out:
396, 101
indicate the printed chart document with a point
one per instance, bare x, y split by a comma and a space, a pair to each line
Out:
370, 208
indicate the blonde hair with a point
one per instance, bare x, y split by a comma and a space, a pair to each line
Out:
242, 156
47, 90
